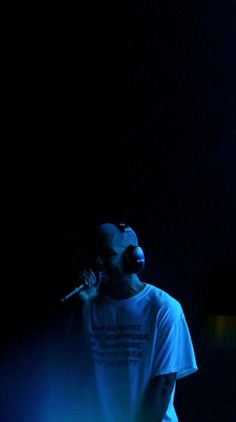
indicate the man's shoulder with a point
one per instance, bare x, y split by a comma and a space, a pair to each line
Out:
163, 301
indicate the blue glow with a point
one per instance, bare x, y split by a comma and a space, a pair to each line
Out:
46, 381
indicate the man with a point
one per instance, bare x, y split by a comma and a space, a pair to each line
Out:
137, 334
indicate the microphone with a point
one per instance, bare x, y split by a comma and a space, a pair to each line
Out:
83, 286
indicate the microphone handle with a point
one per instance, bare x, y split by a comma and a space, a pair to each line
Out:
77, 290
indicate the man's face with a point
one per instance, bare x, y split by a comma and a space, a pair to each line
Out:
110, 256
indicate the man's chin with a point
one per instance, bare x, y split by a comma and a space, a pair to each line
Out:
105, 277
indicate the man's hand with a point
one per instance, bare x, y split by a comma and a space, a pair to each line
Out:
156, 398
92, 283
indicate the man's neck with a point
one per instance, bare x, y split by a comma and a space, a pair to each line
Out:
126, 288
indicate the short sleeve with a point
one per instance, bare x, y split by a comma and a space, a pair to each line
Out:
174, 350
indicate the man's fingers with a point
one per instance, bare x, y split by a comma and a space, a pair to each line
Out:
88, 277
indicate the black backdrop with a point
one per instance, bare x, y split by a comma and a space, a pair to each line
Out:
128, 113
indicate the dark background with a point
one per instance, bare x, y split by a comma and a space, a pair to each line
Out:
127, 113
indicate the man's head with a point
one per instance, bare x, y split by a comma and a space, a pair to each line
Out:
120, 235
112, 243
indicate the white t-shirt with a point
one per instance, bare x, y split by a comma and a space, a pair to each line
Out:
133, 340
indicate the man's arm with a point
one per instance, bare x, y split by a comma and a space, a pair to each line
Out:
156, 398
